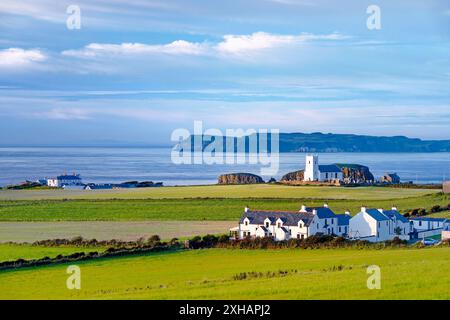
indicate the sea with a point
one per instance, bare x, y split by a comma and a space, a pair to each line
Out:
119, 164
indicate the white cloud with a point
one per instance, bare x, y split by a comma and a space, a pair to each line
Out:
17, 57
173, 48
64, 114
231, 45
244, 44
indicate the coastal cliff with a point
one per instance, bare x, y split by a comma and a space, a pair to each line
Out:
355, 173
239, 178
293, 176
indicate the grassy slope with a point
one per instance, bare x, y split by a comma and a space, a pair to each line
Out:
9, 252
217, 191
185, 209
208, 274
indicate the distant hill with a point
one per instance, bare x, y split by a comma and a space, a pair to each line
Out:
330, 142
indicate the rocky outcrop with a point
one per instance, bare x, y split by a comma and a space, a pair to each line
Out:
356, 173
293, 176
239, 178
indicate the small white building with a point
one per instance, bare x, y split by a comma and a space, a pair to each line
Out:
379, 225
65, 180
315, 172
285, 225
426, 227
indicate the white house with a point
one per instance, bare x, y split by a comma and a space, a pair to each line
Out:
315, 172
379, 225
427, 227
285, 225
65, 180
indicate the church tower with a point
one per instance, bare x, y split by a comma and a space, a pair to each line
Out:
311, 168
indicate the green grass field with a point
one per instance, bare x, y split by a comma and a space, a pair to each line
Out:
176, 205
209, 274
10, 252
222, 191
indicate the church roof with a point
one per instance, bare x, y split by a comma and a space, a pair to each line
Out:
329, 168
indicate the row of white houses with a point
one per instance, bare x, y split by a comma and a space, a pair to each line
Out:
369, 224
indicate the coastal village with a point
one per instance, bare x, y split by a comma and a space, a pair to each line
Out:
370, 224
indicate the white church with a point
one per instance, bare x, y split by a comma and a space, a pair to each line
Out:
315, 172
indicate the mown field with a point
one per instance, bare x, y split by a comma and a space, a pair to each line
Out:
211, 274
10, 252
225, 207
222, 191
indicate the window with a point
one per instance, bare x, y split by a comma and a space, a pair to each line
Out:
303, 236
420, 223
267, 224
326, 175
317, 226
300, 225
279, 225
298, 235
246, 222
335, 175
332, 221
339, 229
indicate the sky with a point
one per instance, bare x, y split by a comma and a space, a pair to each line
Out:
137, 70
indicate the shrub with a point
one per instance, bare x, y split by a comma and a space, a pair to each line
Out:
436, 208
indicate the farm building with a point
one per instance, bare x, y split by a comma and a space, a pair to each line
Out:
379, 225
446, 187
65, 180
285, 225
427, 227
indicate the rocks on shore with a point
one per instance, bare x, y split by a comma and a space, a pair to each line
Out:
239, 178
293, 176
356, 173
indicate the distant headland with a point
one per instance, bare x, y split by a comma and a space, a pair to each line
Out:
331, 142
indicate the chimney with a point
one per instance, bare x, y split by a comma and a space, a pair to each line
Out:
394, 208
363, 209
325, 205
381, 210
247, 209
303, 209
347, 213
314, 211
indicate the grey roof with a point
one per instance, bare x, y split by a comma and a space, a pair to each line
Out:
285, 230
429, 219
329, 168
394, 213
68, 177
322, 212
377, 215
343, 219
289, 218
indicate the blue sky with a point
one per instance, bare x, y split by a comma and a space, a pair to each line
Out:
137, 70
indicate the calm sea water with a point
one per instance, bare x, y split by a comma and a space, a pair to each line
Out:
122, 164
